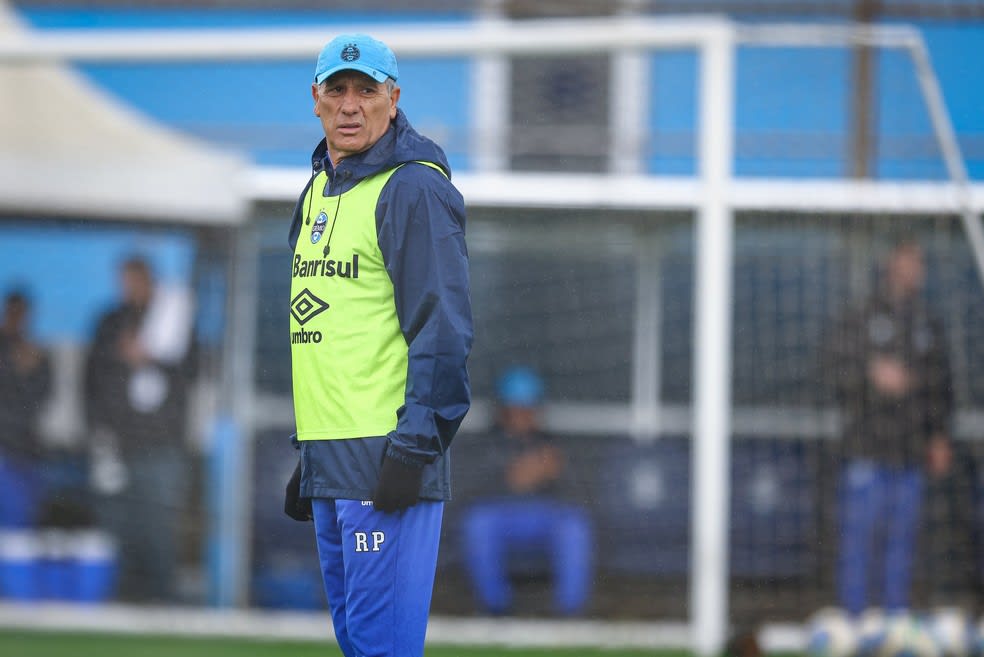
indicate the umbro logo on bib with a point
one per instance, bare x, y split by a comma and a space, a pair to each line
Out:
306, 305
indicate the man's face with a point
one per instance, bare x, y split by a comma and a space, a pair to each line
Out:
137, 286
906, 270
355, 111
15, 316
519, 420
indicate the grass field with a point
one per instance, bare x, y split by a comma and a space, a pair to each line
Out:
57, 644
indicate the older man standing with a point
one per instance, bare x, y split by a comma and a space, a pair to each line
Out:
380, 330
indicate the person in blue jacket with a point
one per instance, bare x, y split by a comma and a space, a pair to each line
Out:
380, 331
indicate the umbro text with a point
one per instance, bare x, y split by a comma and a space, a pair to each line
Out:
305, 337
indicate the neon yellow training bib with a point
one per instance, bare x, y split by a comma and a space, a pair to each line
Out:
348, 353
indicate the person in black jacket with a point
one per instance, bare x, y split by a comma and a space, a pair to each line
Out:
25, 382
136, 393
892, 381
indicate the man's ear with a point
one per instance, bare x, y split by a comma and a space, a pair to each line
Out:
394, 99
314, 97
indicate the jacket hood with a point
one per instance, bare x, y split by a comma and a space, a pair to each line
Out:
398, 145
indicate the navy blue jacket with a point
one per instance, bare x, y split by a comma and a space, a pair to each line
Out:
420, 222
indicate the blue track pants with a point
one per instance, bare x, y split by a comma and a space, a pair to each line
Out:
880, 509
21, 493
494, 531
378, 570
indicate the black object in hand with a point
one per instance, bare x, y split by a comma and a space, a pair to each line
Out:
398, 487
297, 507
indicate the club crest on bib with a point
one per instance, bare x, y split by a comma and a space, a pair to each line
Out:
318, 229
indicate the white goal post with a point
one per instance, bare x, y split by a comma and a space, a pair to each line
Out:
714, 193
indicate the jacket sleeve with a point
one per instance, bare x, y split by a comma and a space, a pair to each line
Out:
421, 227
101, 364
37, 383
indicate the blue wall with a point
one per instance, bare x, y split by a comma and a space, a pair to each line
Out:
264, 109
71, 270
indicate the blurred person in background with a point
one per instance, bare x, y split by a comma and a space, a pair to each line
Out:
891, 376
521, 513
25, 383
380, 327
137, 377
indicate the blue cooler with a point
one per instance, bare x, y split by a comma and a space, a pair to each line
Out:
21, 553
95, 566
56, 577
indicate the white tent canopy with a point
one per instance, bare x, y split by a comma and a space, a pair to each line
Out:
69, 149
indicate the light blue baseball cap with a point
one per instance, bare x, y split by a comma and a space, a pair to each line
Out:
356, 52
520, 386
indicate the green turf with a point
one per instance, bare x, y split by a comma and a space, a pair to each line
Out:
48, 644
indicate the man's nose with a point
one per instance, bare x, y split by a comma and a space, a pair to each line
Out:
350, 101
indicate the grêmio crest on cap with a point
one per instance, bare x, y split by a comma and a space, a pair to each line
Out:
350, 52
